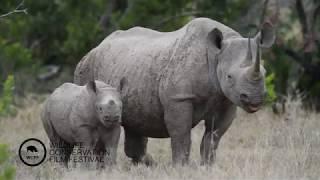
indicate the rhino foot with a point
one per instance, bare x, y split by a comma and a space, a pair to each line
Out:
146, 159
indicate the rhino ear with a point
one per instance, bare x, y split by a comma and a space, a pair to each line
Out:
266, 36
215, 38
91, 86
122, 83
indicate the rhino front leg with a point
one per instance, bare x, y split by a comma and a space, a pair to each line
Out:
109, 145
135, 147
214, 130
178, 119
209, 145
88, 142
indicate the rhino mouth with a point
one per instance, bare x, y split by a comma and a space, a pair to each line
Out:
112, 123
251, 108
112, 120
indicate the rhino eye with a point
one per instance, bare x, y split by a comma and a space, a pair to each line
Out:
230, 79
111, 102
100, 108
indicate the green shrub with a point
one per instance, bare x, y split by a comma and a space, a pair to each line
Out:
13, 57
7, 171
271, 93
6, 98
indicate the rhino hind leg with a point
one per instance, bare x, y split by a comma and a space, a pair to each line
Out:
61, 148
135, 147
63, 151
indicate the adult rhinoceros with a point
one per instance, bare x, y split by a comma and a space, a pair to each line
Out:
202, 71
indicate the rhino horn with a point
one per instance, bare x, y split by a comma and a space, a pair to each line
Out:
255, 73
249, 53
247, 61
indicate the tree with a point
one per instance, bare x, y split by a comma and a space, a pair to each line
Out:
16, 10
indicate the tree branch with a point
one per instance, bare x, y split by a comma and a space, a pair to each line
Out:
16, 10
315, 15
295, 56
302, 17
313, 70
264, 12
275, 14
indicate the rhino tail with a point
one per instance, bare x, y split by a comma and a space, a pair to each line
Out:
83, 72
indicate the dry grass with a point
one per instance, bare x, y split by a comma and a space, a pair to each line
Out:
257, 146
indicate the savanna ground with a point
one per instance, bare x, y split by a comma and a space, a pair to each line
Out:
257, 146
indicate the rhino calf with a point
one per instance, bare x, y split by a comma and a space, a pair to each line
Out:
89, 115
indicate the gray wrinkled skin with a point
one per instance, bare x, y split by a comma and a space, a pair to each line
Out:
90, 115
202, 71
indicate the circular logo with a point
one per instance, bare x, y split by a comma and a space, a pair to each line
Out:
32, 152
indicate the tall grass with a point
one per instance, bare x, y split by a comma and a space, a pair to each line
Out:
257, 146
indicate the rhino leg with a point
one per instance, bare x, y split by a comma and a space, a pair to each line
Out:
58, 145
100, 150
135, 147
178, 119
107, 146
86, 137
209, 144
214, 129
63, 148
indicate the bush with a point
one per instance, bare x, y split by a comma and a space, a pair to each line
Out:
14, 56
6, 99
271, 93
7, 171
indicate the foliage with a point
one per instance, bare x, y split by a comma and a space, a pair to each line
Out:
271, 93
14, 56
7, 171
6, 99
61, 32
